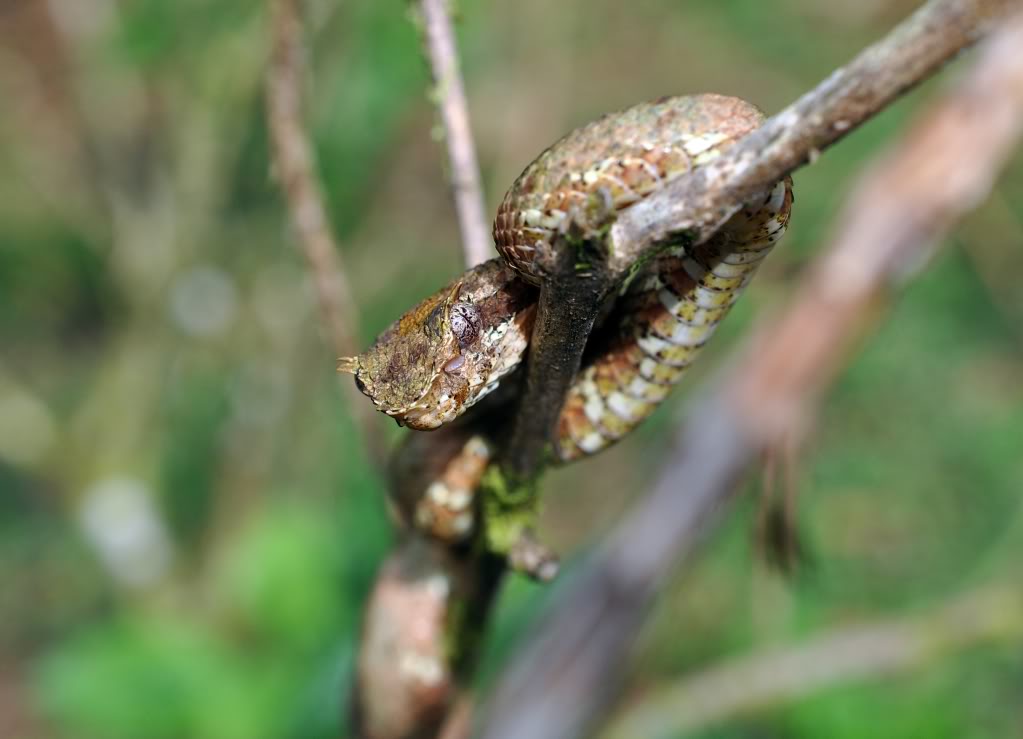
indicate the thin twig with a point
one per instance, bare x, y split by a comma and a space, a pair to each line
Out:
851, 95
295, 165
566, 675
406, 682
449, 92
763, 679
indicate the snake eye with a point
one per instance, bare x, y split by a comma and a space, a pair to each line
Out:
466, 323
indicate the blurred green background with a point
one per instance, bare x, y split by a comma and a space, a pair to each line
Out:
188, 524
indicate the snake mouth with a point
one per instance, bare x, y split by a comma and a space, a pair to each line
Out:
359, 383
419, 418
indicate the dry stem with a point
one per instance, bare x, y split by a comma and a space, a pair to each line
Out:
698, 203
565, 677
588, 638
454, 111
752, 682
295, 165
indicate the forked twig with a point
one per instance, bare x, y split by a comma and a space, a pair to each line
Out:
698, 203
903, 205
614, 596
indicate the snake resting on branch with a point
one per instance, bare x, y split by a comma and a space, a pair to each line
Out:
456, 346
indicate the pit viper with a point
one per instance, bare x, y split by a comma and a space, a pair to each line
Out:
456, 346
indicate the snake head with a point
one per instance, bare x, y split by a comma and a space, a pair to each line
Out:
413, 371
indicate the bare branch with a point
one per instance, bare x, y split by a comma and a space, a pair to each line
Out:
697, 204
454, 111
757, 681
295, 165
851, 95
902, 206
566, 313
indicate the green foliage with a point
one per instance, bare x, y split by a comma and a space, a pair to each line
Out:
161, 678
146, 159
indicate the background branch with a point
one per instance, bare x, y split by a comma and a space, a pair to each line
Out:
295, 167
449, 93
564, 677
757, 681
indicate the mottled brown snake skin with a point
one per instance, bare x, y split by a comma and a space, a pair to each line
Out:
452, 349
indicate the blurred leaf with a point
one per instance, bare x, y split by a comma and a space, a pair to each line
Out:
159, 678
283, 575
195, 415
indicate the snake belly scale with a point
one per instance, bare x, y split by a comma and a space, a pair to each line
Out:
456, 346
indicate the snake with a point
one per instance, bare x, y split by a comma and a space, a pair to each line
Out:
456, 346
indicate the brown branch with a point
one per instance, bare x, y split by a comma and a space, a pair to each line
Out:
568, 306
566, 313
696, 204
851, 95
566, 676
763, 679
449, 93
406, 677
295, 166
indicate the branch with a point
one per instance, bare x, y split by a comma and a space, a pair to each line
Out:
295, 165
449, 92
903, 205
429, 603
772, 676
851, 95
698, 203
567, 310
413, 639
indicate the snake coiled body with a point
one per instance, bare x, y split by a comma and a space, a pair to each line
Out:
456, 346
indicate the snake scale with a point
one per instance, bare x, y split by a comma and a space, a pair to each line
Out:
456, 346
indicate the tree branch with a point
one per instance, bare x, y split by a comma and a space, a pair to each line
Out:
295, 166
703, 200
449, 93
568, 306
757, 681
698, 203
415, 635
565, 676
